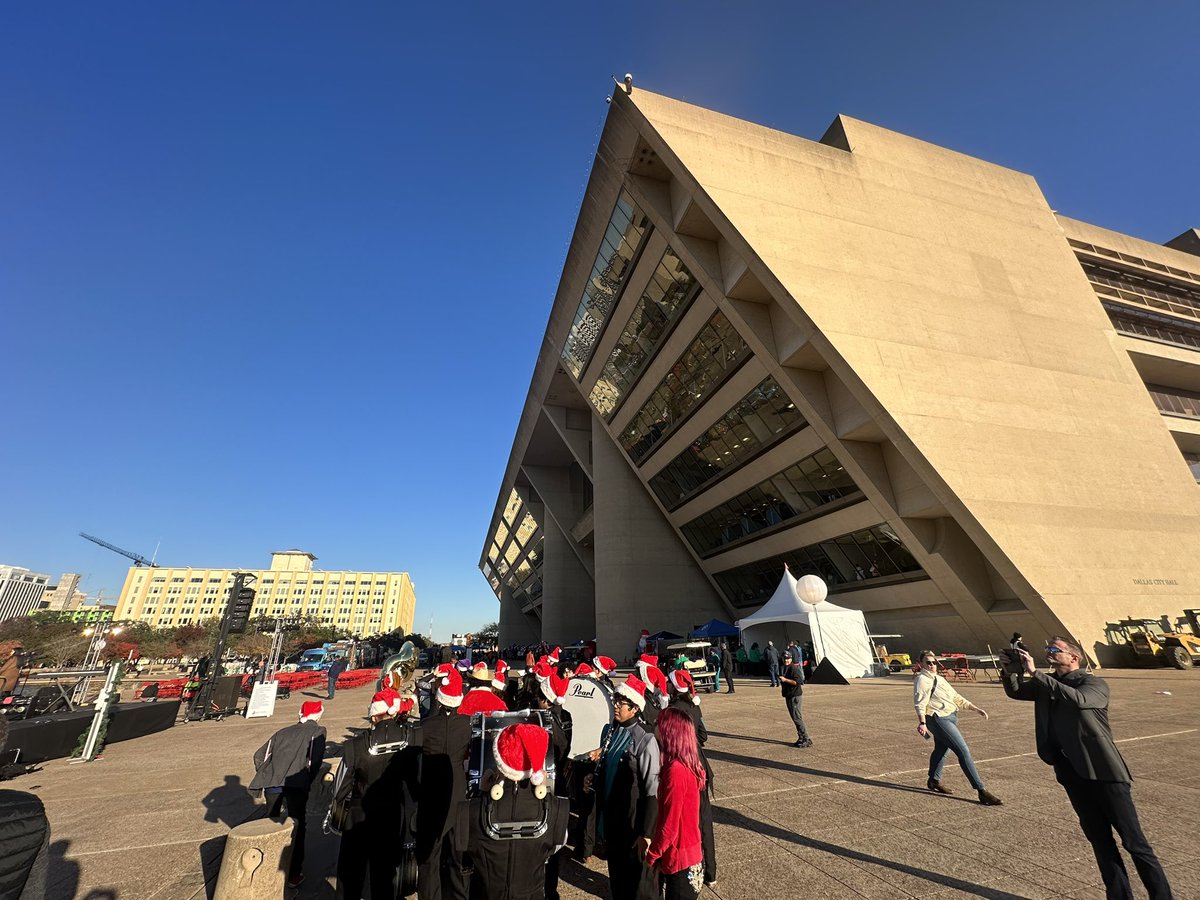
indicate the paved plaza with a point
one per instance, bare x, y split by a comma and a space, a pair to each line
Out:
848, 818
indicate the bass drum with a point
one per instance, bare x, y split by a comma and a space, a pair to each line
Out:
591, 707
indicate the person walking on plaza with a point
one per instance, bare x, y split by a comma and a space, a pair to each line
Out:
685, 700
378, 787
675, 850
937, 705
626, 786
727, 665
336, 668
792, 686
772, 657
1070, 711
285, 768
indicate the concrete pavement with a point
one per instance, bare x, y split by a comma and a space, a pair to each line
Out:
847, 818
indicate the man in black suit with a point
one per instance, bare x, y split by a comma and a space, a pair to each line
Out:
1073, 735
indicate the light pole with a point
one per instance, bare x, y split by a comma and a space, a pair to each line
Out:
811, 589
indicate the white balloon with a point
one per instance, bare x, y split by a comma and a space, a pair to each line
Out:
811, 589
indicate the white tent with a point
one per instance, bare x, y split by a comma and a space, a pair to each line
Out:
838, 634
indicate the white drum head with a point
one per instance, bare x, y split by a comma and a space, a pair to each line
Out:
590, 704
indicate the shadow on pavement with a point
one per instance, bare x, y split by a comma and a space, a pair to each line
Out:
62, 874
740, 820
760, 763
579, 876
230, 803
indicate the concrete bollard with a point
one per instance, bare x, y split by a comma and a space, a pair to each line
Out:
254, 865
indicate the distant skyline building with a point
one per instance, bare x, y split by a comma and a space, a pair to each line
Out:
366, 603
65, 595
20, 591
868, 358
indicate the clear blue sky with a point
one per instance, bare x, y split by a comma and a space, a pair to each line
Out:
316, 244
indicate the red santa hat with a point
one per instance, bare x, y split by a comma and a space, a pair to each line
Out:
480, 673
583, 670
384, 703
450, 687
633, 690
520, 753
681, 680
406, 706
310, 711
554, 688
605, 665
647, 659
500, 679
646, 632
554, 655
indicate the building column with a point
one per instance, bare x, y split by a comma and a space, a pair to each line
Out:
645, 577
568, 593
516, 627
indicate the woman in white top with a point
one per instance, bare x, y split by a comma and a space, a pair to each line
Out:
937, 705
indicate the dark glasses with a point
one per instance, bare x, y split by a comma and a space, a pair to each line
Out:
1054, 651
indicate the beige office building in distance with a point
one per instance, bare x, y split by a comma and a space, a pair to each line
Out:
365, 603
865, 357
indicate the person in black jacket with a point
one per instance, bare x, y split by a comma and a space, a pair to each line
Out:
727, 665
792, 685
24, 839
510, 866
378, 786
336, 668
1070, 711
445, 740
285, 768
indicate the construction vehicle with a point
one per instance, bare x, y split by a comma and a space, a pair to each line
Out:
1150, 643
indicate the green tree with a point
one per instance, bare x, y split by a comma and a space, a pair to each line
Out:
489, 633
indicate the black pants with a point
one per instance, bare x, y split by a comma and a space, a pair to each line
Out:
728, 673
368, 849
1105, 806
794, 705
582, 830
441, 873
707, 840
678, 886
295, 801
629, 878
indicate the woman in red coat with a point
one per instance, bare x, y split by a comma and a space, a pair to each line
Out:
675, 849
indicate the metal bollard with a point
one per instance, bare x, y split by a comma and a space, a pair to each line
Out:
254, 865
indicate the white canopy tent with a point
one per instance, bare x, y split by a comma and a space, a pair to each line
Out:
838, 634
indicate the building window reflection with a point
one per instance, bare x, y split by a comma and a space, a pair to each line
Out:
762, 417
811, 484
1193, 461
626, 232
845, 563
668, 293
717, 350
1175, 402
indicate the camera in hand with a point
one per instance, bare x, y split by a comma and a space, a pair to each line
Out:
1011, 658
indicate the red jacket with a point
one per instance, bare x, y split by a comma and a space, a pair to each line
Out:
481, 700
676, 844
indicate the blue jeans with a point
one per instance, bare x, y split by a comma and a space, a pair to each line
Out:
332, 686
947, 737
773, 673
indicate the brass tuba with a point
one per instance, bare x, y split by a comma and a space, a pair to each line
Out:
398, 669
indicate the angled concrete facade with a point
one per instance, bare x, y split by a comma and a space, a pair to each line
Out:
866, 357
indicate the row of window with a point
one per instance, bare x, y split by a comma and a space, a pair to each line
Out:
1159, 328
627, 229
1193, 461
842, 562
668, 293
1136, 260
717, 350
813, 482
1143, 290
1175, 401
759, 419
285, 583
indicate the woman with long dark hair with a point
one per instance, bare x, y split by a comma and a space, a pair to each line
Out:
675, 849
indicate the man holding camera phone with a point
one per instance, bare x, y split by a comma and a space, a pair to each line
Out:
1073, 735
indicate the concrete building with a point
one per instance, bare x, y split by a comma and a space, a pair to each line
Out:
865, 357
366, 603
20, 591
65, 595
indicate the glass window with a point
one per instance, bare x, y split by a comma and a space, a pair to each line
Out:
627, 228
1193, 461
844, 561
728, 442
717, 350
510, 508
772, 502
670, 291
528, 527
1175, 401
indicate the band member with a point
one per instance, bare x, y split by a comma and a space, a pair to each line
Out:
605, 667
553, 690
285, 768
446, 737
685, 699
656, 687
508, 866
379, 790
481, 697
626, 786
500, 679
583, 670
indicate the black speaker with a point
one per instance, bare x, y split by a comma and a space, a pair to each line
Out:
226, 692
45, 700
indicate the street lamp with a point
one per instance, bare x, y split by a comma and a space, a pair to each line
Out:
813, 590
91, 659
